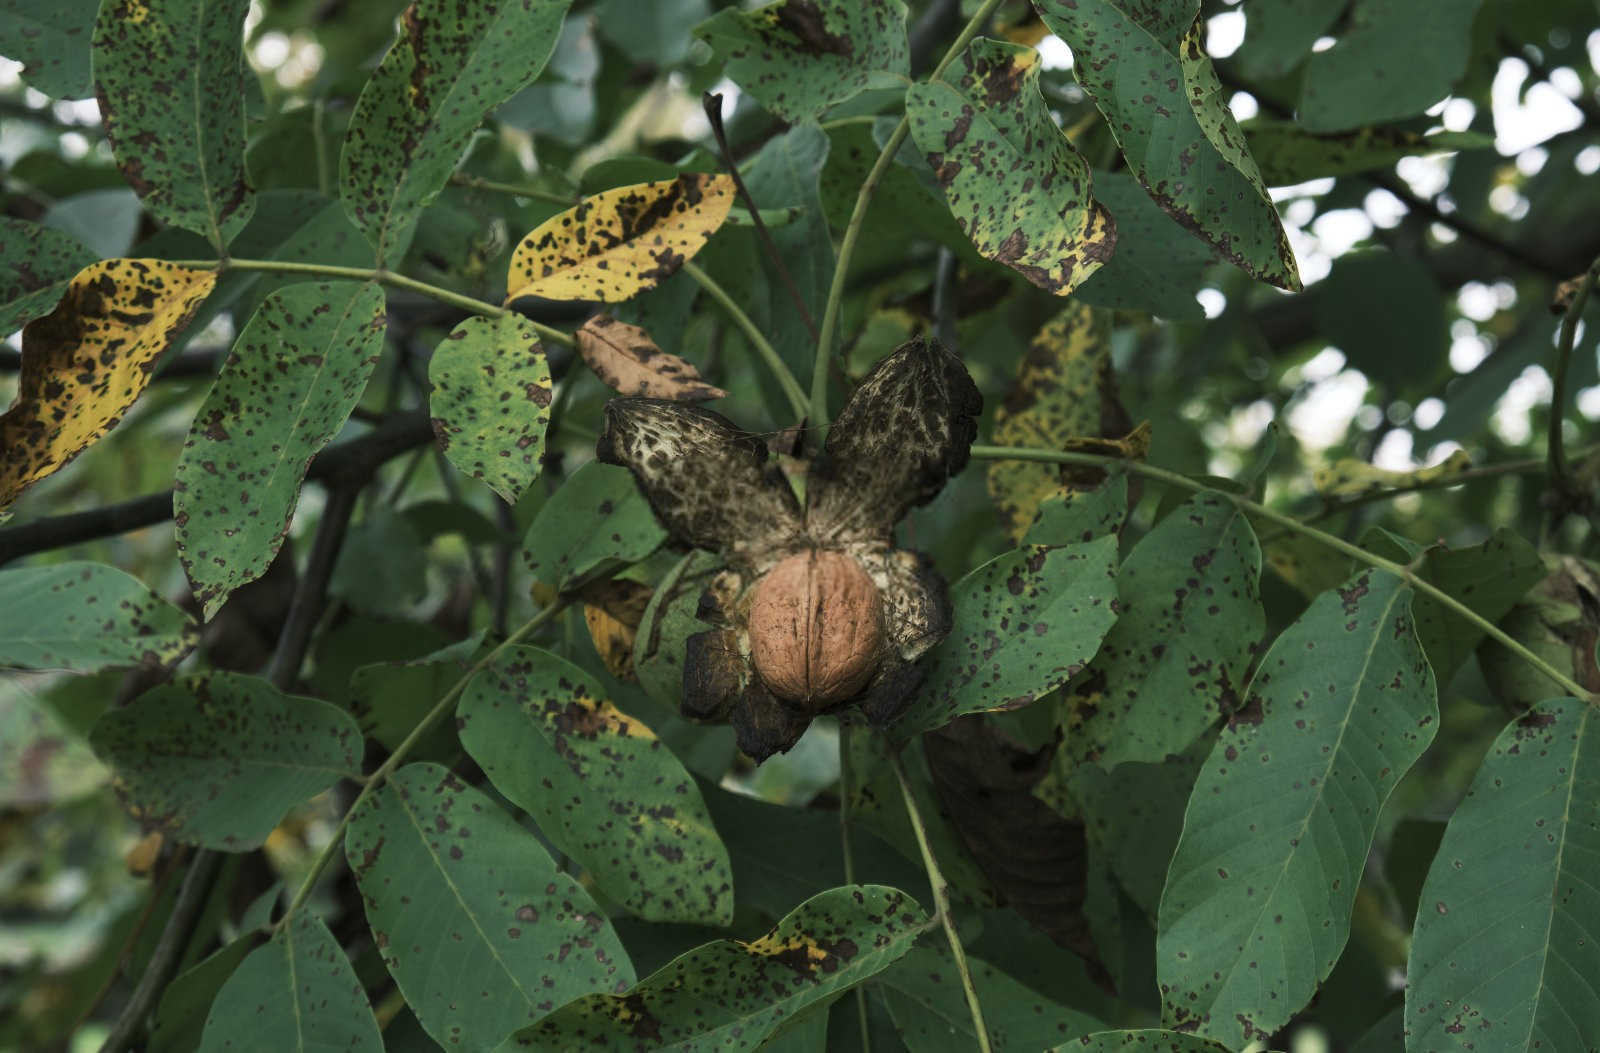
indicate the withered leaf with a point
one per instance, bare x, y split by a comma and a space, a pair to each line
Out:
629, 362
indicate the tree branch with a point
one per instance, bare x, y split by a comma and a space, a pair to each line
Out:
352, 462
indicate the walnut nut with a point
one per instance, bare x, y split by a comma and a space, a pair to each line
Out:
816, 628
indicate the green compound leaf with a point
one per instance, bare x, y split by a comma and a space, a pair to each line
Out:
1259, 894
1014, 183
491, 401
1144, 1041
565, 547
1344, 86
733, 994
84, 617
36, 263
603, 788
169, 76
922, 994
217, 759
297, 991
52, 39
1190, 619
1504, 955
451, 64
1153, 82
479, 930
1280, 33
800, 57
1025, 623
289, 384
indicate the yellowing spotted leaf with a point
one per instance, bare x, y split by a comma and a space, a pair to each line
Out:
87, 361
1064, 392
1352, 478
620, 242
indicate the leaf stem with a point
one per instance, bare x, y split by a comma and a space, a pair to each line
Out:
769, 354
1338, 544
1560, 470
858, 215
394, 760
941, 900
846, 782
383, 276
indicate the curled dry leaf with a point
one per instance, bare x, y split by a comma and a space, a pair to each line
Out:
629, 362
620, 242
613, 609
85, 363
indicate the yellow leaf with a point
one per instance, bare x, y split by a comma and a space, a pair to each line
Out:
620, 242
1064, 392
613, 610
87, 361
1352, 478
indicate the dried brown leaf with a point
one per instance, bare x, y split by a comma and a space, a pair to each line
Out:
629, 362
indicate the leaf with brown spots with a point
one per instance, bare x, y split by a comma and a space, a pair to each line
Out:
1146, 70
597, 522
733, 994
53, 40
1282, 817
1025, 623
491, 401
36, 263
620, 242
216, 760
290, 382
1064, 390
629, 362
612, 610
603, 788
1504, 952
480, 931
296, 991
169, 75
450, 65
87, 361
798, 58
85, 617
1189, 621
1013, 181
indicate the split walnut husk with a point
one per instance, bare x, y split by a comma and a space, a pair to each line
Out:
816, 611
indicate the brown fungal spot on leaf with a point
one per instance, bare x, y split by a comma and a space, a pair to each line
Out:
628, 361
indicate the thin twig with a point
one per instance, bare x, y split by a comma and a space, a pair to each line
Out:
1488, 628
1560, 471
858, 214
941, 900
163, 962
354, 459
712, 102
774, 361
311, 591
